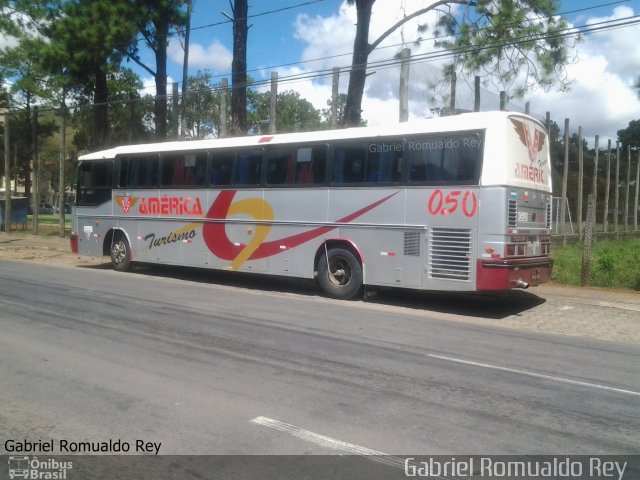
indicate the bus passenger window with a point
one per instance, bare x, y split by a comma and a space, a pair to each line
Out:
220, 172
281, 166
248, 167
349, 164
138, 171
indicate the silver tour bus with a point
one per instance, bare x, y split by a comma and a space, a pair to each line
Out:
460, 203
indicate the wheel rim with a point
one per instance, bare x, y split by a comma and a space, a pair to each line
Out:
119, 252
340, 273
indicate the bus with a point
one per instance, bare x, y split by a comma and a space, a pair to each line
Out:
459, 203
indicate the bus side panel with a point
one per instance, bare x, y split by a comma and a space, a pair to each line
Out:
450, 214
379, 234
289, 207
92, 225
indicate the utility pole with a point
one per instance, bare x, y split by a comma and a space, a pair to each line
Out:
334, 97
185, 73
273, 104
7, 173
35, 194
63, 155
224, 92
404, 85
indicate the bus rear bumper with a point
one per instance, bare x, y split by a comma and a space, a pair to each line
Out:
506, 274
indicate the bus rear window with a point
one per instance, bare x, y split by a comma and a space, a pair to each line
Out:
94, 183
454, 159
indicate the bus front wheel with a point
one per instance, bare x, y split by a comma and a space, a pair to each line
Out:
340, 274
120, 253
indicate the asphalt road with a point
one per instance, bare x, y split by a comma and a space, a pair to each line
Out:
204, 363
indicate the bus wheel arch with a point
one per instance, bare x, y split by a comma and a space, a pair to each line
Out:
340, 269
118, 246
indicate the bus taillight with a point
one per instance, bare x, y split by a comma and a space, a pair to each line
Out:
74, 242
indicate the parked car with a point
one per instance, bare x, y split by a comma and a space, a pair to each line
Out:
47, 209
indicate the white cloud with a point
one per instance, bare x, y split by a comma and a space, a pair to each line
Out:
215, 56
600, 99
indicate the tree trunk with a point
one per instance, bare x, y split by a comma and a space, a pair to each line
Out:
160, 104
358, 76
100, 110
239, 68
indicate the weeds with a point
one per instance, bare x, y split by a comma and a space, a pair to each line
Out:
614, 264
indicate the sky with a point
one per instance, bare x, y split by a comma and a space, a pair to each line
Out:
294, 37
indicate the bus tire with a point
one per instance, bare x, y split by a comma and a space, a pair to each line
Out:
341, 276
120, 253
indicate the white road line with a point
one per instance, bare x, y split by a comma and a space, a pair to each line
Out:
329, 442
534, 374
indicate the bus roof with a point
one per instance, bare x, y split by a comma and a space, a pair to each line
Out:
465, 121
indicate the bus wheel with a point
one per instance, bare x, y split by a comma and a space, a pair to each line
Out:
341, 275
120, 253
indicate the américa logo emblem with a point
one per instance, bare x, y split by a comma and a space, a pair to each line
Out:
534, 141
126, 202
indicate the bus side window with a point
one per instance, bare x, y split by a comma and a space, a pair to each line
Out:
384, 167
248, 167
349, 164
220, 173
281, 166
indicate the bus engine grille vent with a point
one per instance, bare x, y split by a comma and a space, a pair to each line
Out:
450, 253
513, 213
549, 215
412, 244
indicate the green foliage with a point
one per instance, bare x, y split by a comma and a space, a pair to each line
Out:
293, 113
630, 136
514, 44
614, 264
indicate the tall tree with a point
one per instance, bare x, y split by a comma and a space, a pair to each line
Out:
499, 37
239, 68
155, 20
105, 30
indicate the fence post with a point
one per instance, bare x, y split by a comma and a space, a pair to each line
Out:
617, 199
607, 188
404, 85
635, 210
626, 196
586, 251
565, 176
580, 179
594, 187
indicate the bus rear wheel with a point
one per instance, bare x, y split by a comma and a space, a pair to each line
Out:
120, 253
340, 274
